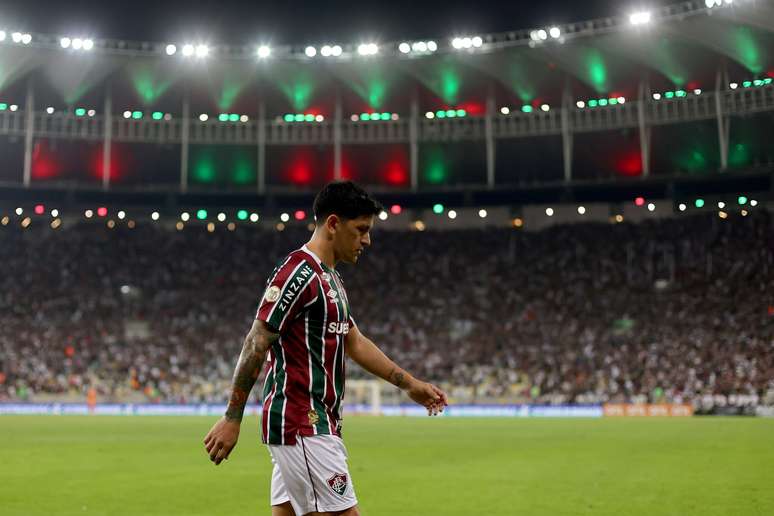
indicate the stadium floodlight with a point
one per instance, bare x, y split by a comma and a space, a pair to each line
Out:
580, 104
477, 41
420, 46
430, 115
188, 50
88, 214
336, 50
482, 213
452, 214
325, 51
581, 210
127, 114
657, 96
16, 37
88, 44
651, 207
13, 107
753, 203
467, 42
50, 110
367, 49
733, 85
545, 107
432, 46
122, 214
555, 32
404, 48
2, 35
264, 51
682, 207
185, 216
221, 217
244, 118
550, 212
155, 215
171, 49
310, 51
639, 18
254, 217
457, 43
202, 51
505, 110
26, 39
91, 112
542, 35
284, 217
383, 215
65, 42
77, 43
203, 117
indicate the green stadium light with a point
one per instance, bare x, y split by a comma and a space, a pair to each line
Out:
440, 114
201, 214
365, 116
757, 82
526, 108
136, 115
669, 94
613, 101
3, 106
385, 116
747, 84
699, 203
461, 112
374, 116
680, 93
223, 117
603, 102
242, 214
309, 118
767, 81
158, 115
233, 117
592, 103
451, 113
438, 208
298, 117
289, 118
80, 111
742, 200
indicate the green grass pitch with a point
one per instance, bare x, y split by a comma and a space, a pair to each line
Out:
66, 465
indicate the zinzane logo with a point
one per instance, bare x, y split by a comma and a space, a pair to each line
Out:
339, 328
294, 287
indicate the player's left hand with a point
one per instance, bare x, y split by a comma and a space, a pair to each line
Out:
429, 396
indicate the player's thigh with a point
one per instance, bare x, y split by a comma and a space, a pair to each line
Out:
283, 509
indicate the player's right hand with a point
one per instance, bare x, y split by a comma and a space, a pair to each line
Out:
221, 439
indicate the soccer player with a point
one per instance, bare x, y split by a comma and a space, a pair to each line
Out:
305, 326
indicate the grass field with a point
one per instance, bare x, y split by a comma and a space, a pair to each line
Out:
52, 465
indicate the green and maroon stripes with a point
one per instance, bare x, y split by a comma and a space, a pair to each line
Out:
276, 408
316, 348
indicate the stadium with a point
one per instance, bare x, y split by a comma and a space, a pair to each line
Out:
574, 242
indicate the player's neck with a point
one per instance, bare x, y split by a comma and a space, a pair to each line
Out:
323, 249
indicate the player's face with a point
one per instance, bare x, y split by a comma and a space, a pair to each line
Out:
352, 237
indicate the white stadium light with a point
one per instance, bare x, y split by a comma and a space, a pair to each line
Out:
88, 44
221, 217
477, 41
452, 214
580, 104
185, 216
550, 212
542, 35
188, 50
310, 51
505, 110
127, 114
26, 39
202, 51
284, 217
254, 217
77, 43
467, 42
65, 42
651, 207
91, 112
545, 107
155, 215
383, 215
682, 207
171, 49
336, 51
430, 115
203, 117
582, 210
325, 51
244, 118
2, 35
264, 51
482, 213
404, 48
457, 43
555, 32
432, 46
50, 110
420, 46
639, 18
657, 96
733, 85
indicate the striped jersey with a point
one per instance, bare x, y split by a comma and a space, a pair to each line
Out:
305, 303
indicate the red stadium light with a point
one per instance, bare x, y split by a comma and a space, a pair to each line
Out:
40, 209
639, 201
395, 209
300, 215
102, 211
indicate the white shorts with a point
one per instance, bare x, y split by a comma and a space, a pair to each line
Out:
312, 475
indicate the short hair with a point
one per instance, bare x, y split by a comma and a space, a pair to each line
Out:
345, 199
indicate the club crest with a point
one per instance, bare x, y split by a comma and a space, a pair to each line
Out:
313, 417
326, 277
272, 294
338, 483
332, 294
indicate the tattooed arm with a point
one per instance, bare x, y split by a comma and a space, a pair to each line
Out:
222, 438
363, 351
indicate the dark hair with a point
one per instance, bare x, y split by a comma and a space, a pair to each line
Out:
345, 199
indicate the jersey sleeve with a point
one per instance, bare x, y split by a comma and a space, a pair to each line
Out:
288, 291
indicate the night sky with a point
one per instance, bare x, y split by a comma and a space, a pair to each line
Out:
295, 22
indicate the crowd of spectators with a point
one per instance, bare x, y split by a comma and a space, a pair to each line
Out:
675, 310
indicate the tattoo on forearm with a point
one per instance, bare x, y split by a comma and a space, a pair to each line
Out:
397, 378
247, 370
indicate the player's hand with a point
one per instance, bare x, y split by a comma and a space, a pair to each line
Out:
221, 439
429, 396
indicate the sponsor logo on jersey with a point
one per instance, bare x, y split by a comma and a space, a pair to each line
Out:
338, 483
313, 417
332, 294
294, 287
272, 294
338, 328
